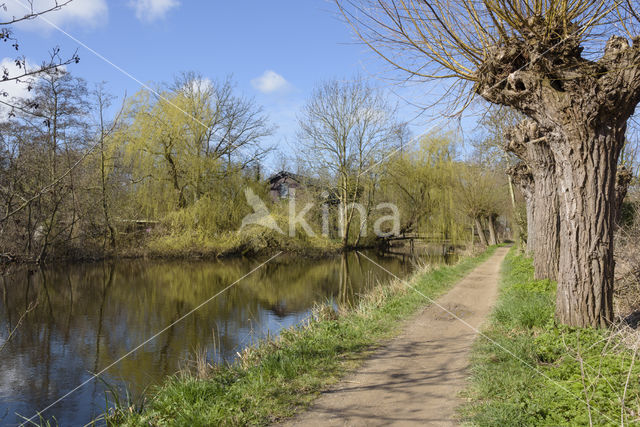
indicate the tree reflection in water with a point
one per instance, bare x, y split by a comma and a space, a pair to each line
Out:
89, 315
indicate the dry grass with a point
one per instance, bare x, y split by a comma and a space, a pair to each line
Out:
627, 255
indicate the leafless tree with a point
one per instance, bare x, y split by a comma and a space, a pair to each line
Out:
43, 204
344, 128
25, 73
107, 152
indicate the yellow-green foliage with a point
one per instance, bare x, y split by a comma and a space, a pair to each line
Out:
212, 226
421, 182
165, 149
252, 239
186, 142
217, 210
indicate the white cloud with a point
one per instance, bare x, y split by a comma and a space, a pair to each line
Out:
201, 86
152, 10
270, 82
11, 89
84, 13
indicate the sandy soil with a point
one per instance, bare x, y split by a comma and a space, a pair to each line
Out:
415, 378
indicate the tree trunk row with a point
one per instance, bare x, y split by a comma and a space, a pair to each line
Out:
529, 144
581, 107
573, 206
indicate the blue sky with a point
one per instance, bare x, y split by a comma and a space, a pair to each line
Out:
275, 50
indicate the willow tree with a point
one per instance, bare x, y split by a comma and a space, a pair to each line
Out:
529, 143
182, 140
521, 176
420, 181
540, 58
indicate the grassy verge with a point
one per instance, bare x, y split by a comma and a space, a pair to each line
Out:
585, 376
275, 379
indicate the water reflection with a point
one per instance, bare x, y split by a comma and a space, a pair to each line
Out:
89, 315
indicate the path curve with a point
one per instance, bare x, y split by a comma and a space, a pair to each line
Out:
415, 379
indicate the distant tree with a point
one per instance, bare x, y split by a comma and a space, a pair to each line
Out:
107, 150
489, 150
46, 201
494, 127
520, 175
420, 181
345, 128
26, 74
479, 194
189, 137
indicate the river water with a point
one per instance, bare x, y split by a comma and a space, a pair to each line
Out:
87, 316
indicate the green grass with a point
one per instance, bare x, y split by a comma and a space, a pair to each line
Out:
555, 375
280, 377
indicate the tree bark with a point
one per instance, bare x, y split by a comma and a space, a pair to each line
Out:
531, 145
546, 217
522, 177
586, 178
531, 234
483, 238
492, 230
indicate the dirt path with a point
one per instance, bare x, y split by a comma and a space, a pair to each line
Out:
415, 379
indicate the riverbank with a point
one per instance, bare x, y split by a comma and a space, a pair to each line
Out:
534, 372
250, 242
275, 379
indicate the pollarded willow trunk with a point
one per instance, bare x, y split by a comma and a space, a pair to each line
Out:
546, 220
585, 104
521, 176
531, 145
493, 235
493, 239
623, 180
481, 235
586, 179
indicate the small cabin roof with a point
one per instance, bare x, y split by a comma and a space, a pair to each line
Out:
285, 174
